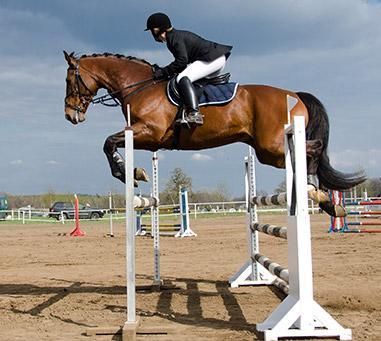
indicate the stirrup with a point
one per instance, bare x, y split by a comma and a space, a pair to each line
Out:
182, 119
195, 117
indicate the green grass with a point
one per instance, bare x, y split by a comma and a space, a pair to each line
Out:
146, 219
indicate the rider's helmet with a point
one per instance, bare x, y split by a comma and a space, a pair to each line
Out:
158, 20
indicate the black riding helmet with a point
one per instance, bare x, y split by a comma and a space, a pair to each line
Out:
158, 20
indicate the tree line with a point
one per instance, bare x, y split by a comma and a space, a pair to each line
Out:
169, 195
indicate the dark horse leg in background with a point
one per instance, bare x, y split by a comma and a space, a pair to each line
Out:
116, 161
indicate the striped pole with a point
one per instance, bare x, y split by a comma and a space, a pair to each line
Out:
144, 202
271, 230
365, 213
361, 231
342, 224
273, 267
277, 199
337, 223
364, 203
364, 223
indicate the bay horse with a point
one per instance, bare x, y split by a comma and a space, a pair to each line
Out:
256, 117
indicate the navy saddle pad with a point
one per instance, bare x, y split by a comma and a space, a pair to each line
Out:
207, 95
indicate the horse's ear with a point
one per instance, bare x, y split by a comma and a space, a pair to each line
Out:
70, 58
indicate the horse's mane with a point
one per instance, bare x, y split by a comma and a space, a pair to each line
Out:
116, 55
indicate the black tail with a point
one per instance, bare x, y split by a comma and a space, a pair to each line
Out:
318, 129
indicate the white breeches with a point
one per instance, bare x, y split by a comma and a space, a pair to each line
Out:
200, 69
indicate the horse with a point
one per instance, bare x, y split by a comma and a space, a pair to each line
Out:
256, 116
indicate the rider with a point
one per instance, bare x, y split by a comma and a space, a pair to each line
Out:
195, 58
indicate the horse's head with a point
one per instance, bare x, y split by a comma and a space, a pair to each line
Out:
80, 90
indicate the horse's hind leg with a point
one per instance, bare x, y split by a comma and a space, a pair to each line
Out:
314, 149
116, 161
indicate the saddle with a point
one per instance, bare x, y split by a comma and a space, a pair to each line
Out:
210, 91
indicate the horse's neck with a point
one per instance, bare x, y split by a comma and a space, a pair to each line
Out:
116, 75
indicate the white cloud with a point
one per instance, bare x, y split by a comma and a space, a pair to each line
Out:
52, 162
200, 157
351, 160
16, 162
160, 156
154, 56
301, 45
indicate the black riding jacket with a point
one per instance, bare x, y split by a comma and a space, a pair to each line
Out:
188, 47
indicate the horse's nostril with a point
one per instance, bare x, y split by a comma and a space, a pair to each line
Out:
68, 117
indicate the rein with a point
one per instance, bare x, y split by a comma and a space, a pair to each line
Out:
111, 95
103, 99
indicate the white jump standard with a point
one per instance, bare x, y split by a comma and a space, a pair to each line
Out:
181, 229
298, 315
131, 325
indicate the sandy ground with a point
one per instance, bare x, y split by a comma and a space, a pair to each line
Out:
54, 287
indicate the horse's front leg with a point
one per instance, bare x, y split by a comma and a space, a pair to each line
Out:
116, 161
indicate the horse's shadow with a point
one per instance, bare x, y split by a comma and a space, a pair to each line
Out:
194, 316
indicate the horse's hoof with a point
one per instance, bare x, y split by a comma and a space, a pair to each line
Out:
340, 211
336, 211
140, 174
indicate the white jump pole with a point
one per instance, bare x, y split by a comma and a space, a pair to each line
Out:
110, 215
185, 230
155, 219
131, 324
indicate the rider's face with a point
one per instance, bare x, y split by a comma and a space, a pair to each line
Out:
158, 36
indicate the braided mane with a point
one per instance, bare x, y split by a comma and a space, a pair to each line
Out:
116, 55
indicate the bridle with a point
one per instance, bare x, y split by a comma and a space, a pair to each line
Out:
84, 97
87, 96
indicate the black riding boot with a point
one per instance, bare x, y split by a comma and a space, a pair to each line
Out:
188, 95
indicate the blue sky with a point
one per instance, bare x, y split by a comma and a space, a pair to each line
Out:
329, 48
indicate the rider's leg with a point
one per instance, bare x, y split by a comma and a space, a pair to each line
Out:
196, 70
188, 94
200, 69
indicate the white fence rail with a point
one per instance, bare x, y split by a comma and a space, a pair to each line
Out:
196, 210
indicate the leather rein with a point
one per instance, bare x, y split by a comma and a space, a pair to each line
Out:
88, 96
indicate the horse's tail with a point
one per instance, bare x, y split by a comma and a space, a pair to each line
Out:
318, 129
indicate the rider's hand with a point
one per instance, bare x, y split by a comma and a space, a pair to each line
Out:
159, 74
